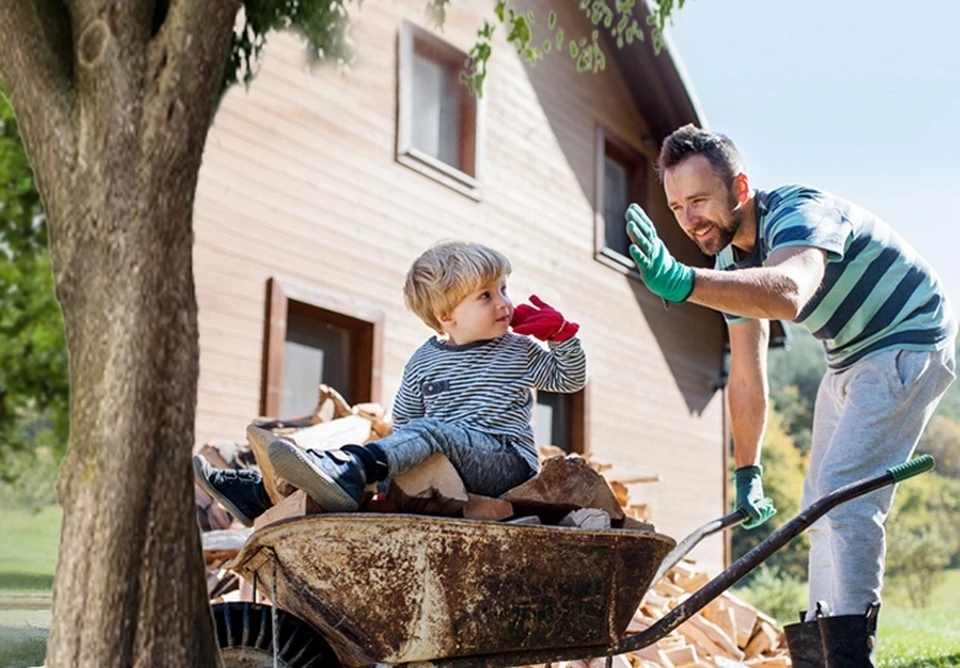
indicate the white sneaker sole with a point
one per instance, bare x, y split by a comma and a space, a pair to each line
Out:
294, 465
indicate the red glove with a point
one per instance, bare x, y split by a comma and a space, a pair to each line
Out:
542, 321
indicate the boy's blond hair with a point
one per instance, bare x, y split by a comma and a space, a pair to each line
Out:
447, 272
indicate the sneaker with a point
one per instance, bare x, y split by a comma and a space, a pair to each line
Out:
241, 492
333, 478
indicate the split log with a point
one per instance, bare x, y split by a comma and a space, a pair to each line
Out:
351, 429
487, 508
259, 440
223, 544
297, 504
586, 518
432, 487
564, 484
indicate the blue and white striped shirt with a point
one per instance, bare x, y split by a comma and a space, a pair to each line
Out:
486, 385
877, 293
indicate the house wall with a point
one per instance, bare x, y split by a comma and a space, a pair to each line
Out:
300, 181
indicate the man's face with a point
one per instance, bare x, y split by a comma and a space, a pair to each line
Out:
705, 207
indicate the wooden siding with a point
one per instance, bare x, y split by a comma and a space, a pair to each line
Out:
300, 181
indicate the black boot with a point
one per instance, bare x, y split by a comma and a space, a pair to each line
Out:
804, 643
848, 640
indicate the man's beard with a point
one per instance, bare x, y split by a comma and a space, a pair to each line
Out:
722, 233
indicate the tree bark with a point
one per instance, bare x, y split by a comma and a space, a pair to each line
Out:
114, 99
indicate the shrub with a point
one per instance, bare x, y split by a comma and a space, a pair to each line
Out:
780, 595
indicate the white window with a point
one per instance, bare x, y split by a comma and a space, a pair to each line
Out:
438, 120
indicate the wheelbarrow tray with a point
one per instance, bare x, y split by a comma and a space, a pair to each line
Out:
396, 588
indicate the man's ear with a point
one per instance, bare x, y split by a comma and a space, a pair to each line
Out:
741, 187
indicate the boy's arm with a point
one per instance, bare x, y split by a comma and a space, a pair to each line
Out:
562, 368
408, 403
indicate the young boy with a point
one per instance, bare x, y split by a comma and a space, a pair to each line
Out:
465, 392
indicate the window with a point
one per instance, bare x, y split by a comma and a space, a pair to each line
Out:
438, 120
312, 338
314, 352
558, 419
621, 179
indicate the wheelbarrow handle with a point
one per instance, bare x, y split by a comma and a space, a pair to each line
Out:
727, 578
683, 548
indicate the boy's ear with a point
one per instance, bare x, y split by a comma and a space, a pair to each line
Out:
444, 318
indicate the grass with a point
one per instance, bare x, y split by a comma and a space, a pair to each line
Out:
28, 553
28, 557
921, 638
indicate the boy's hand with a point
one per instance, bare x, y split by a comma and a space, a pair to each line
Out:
661, 272
542, 321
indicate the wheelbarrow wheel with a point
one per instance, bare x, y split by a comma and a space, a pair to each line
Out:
245, 635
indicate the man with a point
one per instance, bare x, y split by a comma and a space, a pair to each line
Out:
798, 254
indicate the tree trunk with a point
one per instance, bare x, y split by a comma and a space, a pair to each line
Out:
114, 101
130, 587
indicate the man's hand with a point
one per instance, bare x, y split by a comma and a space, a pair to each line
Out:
542, 321
750, 499
662, 273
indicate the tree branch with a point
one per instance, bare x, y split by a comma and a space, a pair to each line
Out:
36, 66
186, 60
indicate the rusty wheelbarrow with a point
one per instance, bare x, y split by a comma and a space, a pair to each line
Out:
388, 589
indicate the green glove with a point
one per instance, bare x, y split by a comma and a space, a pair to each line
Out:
662, 273
750, 499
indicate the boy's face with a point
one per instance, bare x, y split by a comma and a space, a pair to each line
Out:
481, 315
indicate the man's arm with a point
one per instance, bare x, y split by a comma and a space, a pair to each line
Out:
747, 389
779, 290
748, 412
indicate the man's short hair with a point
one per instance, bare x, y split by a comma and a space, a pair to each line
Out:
447, 272
690, 140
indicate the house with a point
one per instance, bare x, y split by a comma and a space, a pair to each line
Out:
319, 186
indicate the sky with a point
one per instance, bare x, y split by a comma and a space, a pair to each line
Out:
859, 98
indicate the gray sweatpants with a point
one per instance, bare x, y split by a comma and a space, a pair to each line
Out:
487, 464
867, 418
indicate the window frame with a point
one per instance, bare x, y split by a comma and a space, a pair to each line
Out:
637, 161
579, 420
411, 39
365, 323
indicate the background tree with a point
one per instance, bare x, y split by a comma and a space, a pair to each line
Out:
923, 536
114, 100
33, 355
783, 471
942, 440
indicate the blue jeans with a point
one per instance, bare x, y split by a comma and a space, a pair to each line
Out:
487, 464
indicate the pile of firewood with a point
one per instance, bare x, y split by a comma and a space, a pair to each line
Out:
569, 490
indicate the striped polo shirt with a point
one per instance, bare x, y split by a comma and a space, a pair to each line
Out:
877, 293
486, 385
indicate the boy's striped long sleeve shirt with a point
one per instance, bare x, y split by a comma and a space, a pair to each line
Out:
486, 385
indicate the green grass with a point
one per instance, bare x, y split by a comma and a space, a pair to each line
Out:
28, 551
921, 638
28, 557
20, 648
